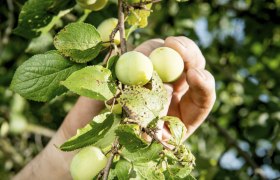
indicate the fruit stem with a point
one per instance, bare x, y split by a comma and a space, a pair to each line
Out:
121, 26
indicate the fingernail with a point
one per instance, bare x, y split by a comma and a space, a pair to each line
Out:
200, 72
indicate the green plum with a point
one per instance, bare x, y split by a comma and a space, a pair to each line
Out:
106, 28
94, 5
87, 163
134, 68
167, 63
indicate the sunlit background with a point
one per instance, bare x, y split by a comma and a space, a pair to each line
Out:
241, 42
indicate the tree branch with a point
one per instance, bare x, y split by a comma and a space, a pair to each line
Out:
232, 142
36, 129
121, 26
105, 172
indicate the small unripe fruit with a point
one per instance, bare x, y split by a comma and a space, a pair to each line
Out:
167, 63
94, 5
106, 28
117, 108
134, 68
86, 1
87, 163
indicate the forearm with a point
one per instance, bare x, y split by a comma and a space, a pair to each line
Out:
51, 163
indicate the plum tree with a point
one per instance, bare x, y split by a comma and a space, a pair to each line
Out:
167, 63
106, 28
87, 163
134, 68
94, 5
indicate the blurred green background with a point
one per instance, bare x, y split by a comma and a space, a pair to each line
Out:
241, 42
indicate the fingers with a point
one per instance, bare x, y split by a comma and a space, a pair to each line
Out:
189, 51
196, 104
148, 46
192, 58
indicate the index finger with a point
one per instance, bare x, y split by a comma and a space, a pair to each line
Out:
190, 52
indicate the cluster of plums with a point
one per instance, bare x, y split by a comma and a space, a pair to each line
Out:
132, 68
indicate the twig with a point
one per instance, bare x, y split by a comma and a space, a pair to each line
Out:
154, 136
108, 56
231, 141
111, 41
121, 26
112, 106
113, 34
32, 128
105, 172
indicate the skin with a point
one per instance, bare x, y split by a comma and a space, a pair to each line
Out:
191, 97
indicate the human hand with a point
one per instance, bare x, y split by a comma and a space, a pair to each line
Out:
193, 95
191, 99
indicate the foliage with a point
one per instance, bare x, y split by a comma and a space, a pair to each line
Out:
240, 40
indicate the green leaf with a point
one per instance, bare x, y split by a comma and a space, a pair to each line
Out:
157, 87
40, 44
39, 77
96, 130
177, 172
110, 135
185, 156
93, 81
143, 105
36, 14
111, 65
79, 41
179, 162
177, 129
130, 136
147, 171
112, 175
139, 16
123, 169
150, 153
